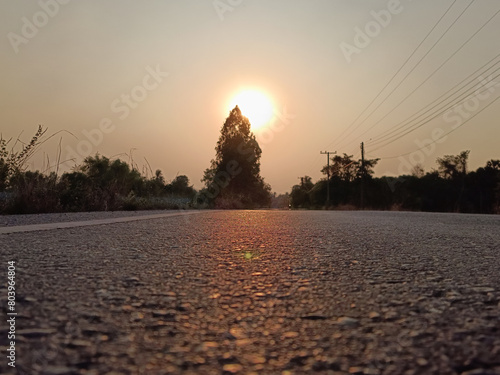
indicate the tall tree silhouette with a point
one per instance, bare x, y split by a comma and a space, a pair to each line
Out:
233, 179
453, 166
343, 167
366, 169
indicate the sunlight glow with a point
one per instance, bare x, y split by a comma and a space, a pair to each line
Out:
254, 105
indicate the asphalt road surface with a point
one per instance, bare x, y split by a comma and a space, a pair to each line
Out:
257, 292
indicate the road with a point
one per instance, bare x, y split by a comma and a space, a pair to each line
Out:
258, 292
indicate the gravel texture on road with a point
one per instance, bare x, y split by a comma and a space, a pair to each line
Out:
259, 292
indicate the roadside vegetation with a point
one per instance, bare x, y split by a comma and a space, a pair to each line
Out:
97, 184
448, 188
233, 181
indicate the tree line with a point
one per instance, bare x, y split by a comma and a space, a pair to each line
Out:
233, 181
97, 184
449, 188
100, 184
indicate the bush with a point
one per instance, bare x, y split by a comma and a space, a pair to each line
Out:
33, 192
99, 184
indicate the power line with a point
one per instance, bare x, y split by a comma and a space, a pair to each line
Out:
468, 95
411, 71
444, 135
426, 122
435, 71
415, 66
394, 76
401, 125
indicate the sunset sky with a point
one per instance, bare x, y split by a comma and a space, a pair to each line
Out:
159, 78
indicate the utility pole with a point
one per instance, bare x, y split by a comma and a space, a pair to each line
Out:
363, 174
327, 153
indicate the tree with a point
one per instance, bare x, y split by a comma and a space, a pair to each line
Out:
109, 180
418, 171
233, 179
159, 177
155, 186
180, 187
300, 193
342, 167
485, 187
347, 169
453, 166
366, 169
77, 193
493, 164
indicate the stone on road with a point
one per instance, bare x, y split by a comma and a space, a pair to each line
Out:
259, 292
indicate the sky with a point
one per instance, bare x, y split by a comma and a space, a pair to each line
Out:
153, 81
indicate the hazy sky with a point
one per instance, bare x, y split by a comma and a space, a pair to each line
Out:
158, 77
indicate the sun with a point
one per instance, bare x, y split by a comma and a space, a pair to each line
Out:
254, 105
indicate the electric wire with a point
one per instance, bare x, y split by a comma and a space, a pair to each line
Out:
342, 135
429, 119
402, 130
436, 70
444, 135
401, 124
414, 67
